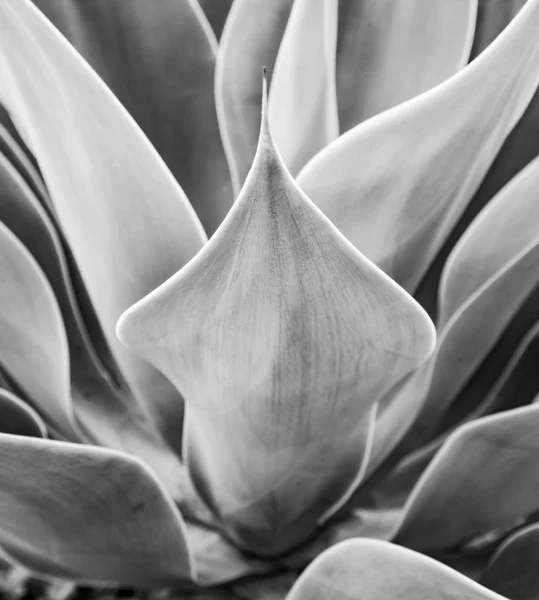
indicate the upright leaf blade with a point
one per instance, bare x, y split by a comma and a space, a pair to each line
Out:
303, 98
159, 60
34, 344
282, 337
127, 222
389, 52
396, 185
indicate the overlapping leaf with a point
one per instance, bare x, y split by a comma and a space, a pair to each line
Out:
106, 415
127, 222
282, 337
303, 98
250, 41
34, 344
86, 513
389, 52
487, 278
512, 571
469, 487
396, 185
159, 61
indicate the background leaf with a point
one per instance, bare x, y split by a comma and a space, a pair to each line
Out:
512, 571
389, 52
303, 98
250, 41
127, 222
17, 418
159, 60
396, 185
468, 489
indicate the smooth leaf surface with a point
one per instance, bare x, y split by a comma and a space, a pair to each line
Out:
487, 277
397, 184
88, 514
127, 222
158, 58
17, 418
250, 41
389, 52
303, 97
104, 414
34, 344
281, 337
512, 571
375, 570
469, 487
493, 16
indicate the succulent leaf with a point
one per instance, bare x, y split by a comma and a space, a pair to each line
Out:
88, 514
389, 52
488, 276
396, 185
281, 337
129, 228
512, 571
469, 487
103, 413
250, 41
303, 97
34, 344
17, 418
375, 570
159, 55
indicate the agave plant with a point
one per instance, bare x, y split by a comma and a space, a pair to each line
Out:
270, 413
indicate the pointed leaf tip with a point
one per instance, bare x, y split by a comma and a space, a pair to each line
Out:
281, 337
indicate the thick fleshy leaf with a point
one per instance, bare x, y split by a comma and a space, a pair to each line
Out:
515, 384
487, 277
469, 487
34, 347
512, 571
520, 147
159, 60
374, 570
17, 418
88, 514
396, 185
250, 41
281, 337
126, 220
216, 12
303, 98
105, 414
389, 52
